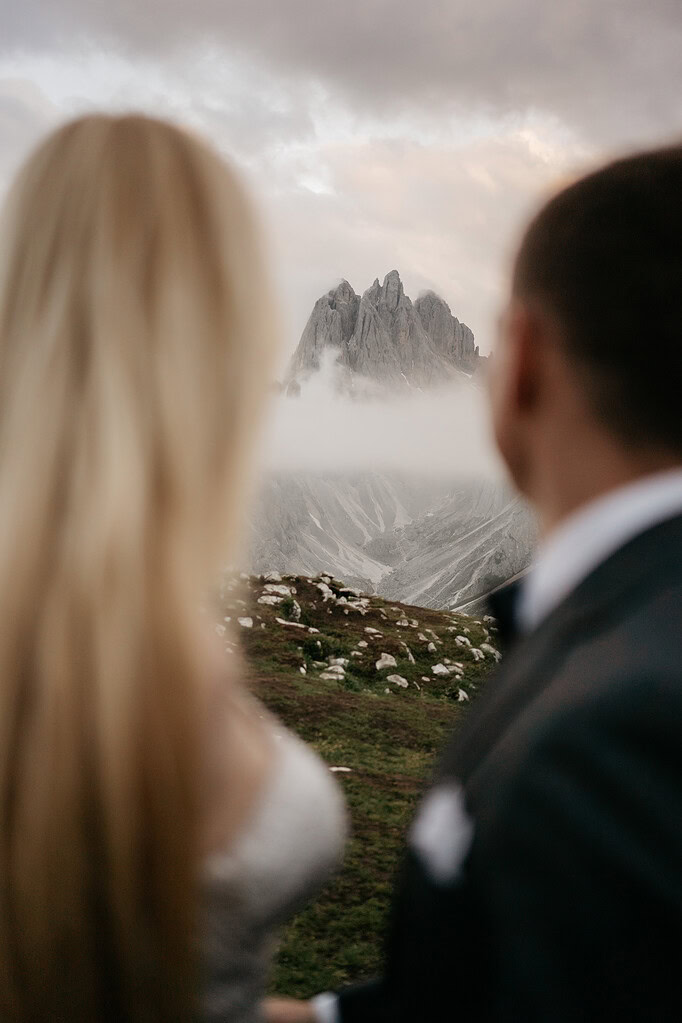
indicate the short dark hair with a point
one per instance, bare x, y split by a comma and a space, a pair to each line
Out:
605, 255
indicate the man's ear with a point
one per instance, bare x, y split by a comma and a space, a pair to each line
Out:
525, 354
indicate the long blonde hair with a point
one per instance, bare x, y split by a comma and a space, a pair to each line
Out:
135, 342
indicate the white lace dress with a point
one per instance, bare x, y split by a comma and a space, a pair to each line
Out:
291, 845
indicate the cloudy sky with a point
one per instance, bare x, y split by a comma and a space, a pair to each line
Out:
376, 134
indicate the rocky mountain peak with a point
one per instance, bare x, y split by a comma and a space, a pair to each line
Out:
452, 339
383, 336
392, 291
343, 292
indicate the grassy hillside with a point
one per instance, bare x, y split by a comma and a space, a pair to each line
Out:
314, 650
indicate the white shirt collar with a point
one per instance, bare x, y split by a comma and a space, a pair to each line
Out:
589, 536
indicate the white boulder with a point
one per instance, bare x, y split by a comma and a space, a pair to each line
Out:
440, 669
281, 591
407, 650
336, 669
398, 680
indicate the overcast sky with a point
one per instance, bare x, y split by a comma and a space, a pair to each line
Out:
375, 134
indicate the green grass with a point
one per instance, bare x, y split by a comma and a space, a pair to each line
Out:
389, 740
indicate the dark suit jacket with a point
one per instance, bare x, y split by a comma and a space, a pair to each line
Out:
568, 905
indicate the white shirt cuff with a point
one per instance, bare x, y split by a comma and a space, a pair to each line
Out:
326, 1008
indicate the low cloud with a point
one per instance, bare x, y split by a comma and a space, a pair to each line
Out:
443, 433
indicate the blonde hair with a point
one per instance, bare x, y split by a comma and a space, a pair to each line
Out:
135, 343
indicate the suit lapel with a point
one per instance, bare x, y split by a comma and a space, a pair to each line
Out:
627, 576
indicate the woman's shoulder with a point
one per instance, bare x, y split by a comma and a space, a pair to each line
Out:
293, 837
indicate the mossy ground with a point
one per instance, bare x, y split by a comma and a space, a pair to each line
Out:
389, 740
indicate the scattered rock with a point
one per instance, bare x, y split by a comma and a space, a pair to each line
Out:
440, 669
341, 769
462, 641
281, 591
398, 680
407, 650
246, 623
461, 696
432, 648
477, 654
386, 661
271, 599
273, 577
363, 643
488, 649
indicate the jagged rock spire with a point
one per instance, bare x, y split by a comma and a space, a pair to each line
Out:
383, 336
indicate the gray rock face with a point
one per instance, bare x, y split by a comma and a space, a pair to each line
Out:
331, 325
452, 339
384, 337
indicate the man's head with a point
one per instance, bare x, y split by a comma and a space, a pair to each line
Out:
587, 377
